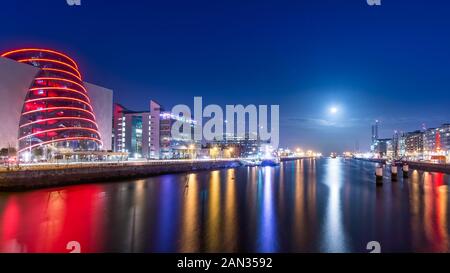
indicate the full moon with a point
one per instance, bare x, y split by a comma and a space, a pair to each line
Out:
334, 110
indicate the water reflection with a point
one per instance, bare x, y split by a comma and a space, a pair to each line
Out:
327, 205
435, 211
334, 239
167, 220
213, 233
267, 243
190, 220
231, 220
45, 222
10, 225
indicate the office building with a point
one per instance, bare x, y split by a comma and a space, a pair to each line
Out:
431, 140
234, 146
381, 146
414, 143
181, 145
137, 132
148, 134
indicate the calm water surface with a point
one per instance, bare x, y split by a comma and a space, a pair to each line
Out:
326, 205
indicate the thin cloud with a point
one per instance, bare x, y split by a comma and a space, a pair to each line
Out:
323, 123
387, 123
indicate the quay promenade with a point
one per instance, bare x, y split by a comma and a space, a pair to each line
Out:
42, 175
33, 176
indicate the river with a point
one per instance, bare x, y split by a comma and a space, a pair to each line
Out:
309, 205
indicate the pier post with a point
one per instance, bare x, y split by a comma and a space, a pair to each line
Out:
405, 171
379, 174
394, 172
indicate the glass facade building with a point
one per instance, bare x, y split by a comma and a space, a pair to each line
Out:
132, 132
148, 134
57, 112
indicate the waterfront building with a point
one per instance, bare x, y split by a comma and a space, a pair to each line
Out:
445, 141
396, 145
47, 109
147, 134
432, 144
181, 146
414, 144
375, 137
431, 140
380, 147
234, 146
131, 132
154, 139
445, 137
375, 128
436, 143
390, 148
136, 132
401, 148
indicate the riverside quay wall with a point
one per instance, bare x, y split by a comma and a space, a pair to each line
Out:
420, 166
429, 167
43, 176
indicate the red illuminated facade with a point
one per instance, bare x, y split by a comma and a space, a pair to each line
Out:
57, 111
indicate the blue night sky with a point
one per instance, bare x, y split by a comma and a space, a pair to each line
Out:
389, 63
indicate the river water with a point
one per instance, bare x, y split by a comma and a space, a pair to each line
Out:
322, 205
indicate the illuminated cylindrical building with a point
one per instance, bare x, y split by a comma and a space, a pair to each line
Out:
57, 112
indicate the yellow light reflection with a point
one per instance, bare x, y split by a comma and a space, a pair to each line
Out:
214, 223
231, 219
190, 219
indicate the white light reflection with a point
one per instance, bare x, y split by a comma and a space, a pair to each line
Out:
267, 234
334, 235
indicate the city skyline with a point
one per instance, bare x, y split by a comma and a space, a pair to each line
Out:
367, 62
221, 135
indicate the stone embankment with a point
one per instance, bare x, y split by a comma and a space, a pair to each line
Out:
55, 175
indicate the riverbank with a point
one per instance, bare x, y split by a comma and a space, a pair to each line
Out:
55, 175
429, 167
421, 166
289, 158
374, 160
